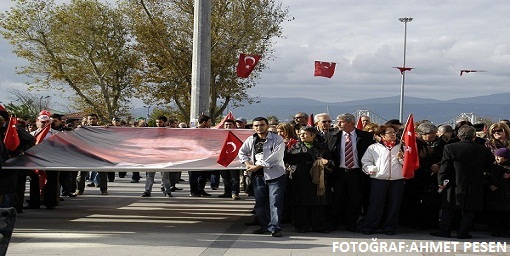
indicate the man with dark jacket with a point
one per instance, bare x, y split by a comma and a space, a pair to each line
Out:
347, 178
463, 165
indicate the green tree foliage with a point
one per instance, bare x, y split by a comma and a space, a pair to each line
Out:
84, 46
108, 54
164, 31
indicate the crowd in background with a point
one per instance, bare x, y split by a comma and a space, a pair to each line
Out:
336, 175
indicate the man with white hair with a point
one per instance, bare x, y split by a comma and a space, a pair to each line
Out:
323, 123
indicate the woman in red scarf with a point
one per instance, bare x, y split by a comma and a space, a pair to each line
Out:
383, 162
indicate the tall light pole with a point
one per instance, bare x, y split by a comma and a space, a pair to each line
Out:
201, 61
405, 20
148, 110
40, 102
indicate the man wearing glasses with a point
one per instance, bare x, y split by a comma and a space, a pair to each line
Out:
323, 124
301, 118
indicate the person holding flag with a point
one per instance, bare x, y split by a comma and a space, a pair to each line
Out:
41, 182
15, 140
383, 162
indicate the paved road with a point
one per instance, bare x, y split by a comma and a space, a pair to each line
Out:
123, 223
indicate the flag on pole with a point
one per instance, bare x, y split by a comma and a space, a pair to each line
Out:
11, 139
310, 121
229, 116
229, 150
39, 137
403, 69
411, 159
325, 69
359, 124
246, 64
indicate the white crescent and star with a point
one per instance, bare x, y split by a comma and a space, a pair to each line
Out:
234, 147
246, 58
326, 66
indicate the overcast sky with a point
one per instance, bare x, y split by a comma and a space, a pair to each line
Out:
365, 39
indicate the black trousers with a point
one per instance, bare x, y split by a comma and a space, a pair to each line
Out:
448, 216
347, 197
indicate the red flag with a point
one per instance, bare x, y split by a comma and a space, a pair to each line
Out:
11, 139
229, 116
39, 137
229, 150
246, 64
411, 159
291, 142
310, 121
359, 124
403, 69
325, 69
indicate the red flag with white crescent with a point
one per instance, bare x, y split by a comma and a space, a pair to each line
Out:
246, 64
11, 139
411, 158
229, 150
325, 69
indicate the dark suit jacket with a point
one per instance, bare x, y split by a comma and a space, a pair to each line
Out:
464, 164
334, 139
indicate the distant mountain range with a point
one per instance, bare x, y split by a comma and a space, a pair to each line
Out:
493, 107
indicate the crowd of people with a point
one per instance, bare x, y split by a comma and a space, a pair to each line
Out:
320, 175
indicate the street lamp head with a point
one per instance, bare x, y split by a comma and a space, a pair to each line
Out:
405, 19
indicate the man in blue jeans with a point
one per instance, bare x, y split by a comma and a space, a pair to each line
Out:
262, 154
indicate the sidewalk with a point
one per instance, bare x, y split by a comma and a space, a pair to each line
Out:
123, 223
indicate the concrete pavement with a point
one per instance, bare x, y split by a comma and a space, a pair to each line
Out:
123, 223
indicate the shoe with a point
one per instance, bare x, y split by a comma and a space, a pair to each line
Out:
260, 231
163, 189
214, 188
122, 176
78, 193
194, 194
465, 236
111, 180
203, 193
176, 188
276, 234
438, 234
104, 193
145, 194
134, 181
181, 180
389, 233
225, 196
236, 197
91, 185
72, 195
169, 195
61, 199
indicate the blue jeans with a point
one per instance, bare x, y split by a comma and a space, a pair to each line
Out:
269, 201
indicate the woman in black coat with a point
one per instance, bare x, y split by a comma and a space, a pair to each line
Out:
310, 194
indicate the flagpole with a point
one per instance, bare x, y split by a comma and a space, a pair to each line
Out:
405, 20
405, 126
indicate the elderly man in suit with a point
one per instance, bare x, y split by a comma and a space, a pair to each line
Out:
348, 145
463, 165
